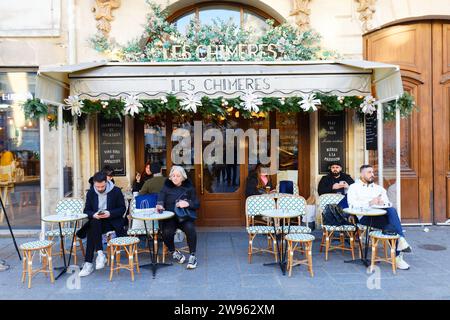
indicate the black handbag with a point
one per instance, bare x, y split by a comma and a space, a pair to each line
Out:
333, 215
184, 214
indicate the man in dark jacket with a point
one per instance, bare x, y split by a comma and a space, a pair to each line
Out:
335, 181
105, 207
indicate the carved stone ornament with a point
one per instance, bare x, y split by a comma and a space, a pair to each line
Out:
301, 12
366, 10
103, 14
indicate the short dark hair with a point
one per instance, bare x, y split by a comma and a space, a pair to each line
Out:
108, 170
155, 167
364, 166
99, 177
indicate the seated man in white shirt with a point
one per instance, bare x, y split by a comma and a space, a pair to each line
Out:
365, 193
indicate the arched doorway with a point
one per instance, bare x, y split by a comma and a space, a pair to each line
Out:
422, 50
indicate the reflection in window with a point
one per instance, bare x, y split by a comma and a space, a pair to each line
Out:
287, 125
242, 17
183, 129
155, 143
19, 151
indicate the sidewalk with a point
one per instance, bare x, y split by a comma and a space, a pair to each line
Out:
224, 273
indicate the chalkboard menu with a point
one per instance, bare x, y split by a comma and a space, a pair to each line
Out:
111, 144
331, 139
371, 132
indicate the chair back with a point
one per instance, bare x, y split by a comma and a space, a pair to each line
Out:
294, 185
297, 203
72, 205
329, 198
254, 205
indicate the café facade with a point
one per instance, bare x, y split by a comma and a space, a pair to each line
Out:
385, 50
308, 141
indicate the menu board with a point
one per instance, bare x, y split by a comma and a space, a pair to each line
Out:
331, 140
111, 144
371, 132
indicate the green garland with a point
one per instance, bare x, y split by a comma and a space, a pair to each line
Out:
291, 43
216, 109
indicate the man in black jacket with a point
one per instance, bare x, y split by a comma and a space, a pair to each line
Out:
335, 181
105, 207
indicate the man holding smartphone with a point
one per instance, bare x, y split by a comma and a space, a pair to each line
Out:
335, 181
105, 207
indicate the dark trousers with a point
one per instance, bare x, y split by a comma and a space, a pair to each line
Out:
169, 228
379, 222
96, 228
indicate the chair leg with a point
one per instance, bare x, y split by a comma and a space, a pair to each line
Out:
29, 268
374, 254
290, 257
322, 242
136, 259
309, 255
130, 261
24, 266
117, 250
342, 240
50, 264
111, 266
393, 262
352, 244
327, 245
250, 248
275, 249
74, 252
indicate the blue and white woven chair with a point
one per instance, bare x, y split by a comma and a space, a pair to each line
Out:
296, 203
329, 231
73, 205
254, 205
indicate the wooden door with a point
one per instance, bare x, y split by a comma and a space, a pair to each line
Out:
441, 119
410, 47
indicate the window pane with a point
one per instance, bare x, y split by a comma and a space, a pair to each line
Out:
183, 22
223, 12
184, 135
255, 22
287, 125
155, 144
19, 156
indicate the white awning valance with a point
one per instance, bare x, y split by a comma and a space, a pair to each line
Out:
101, 80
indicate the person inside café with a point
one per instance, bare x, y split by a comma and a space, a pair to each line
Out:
142, 178
364, 193
336, 181
108, 171
258, 181
105, 207
156, 182
178, 191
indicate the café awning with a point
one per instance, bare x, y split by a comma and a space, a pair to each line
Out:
105, 80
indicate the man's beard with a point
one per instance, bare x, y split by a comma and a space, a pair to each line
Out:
335, 174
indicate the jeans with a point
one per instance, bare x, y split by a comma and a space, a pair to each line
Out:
379, 222
170, 226
96, 228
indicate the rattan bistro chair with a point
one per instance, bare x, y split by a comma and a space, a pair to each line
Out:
73, 205
254, 205
329, 231
296, 203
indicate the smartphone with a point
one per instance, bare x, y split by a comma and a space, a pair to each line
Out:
101, 213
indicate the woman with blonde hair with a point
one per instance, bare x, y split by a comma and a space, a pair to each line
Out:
179, 192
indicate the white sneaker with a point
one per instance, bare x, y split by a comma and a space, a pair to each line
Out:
192, 264
178, 256
88, 268
100, 261
401, 264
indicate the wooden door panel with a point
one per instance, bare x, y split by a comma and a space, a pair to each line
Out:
441, 120
409, 46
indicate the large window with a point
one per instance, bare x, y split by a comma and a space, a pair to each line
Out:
243, 16
19, 152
